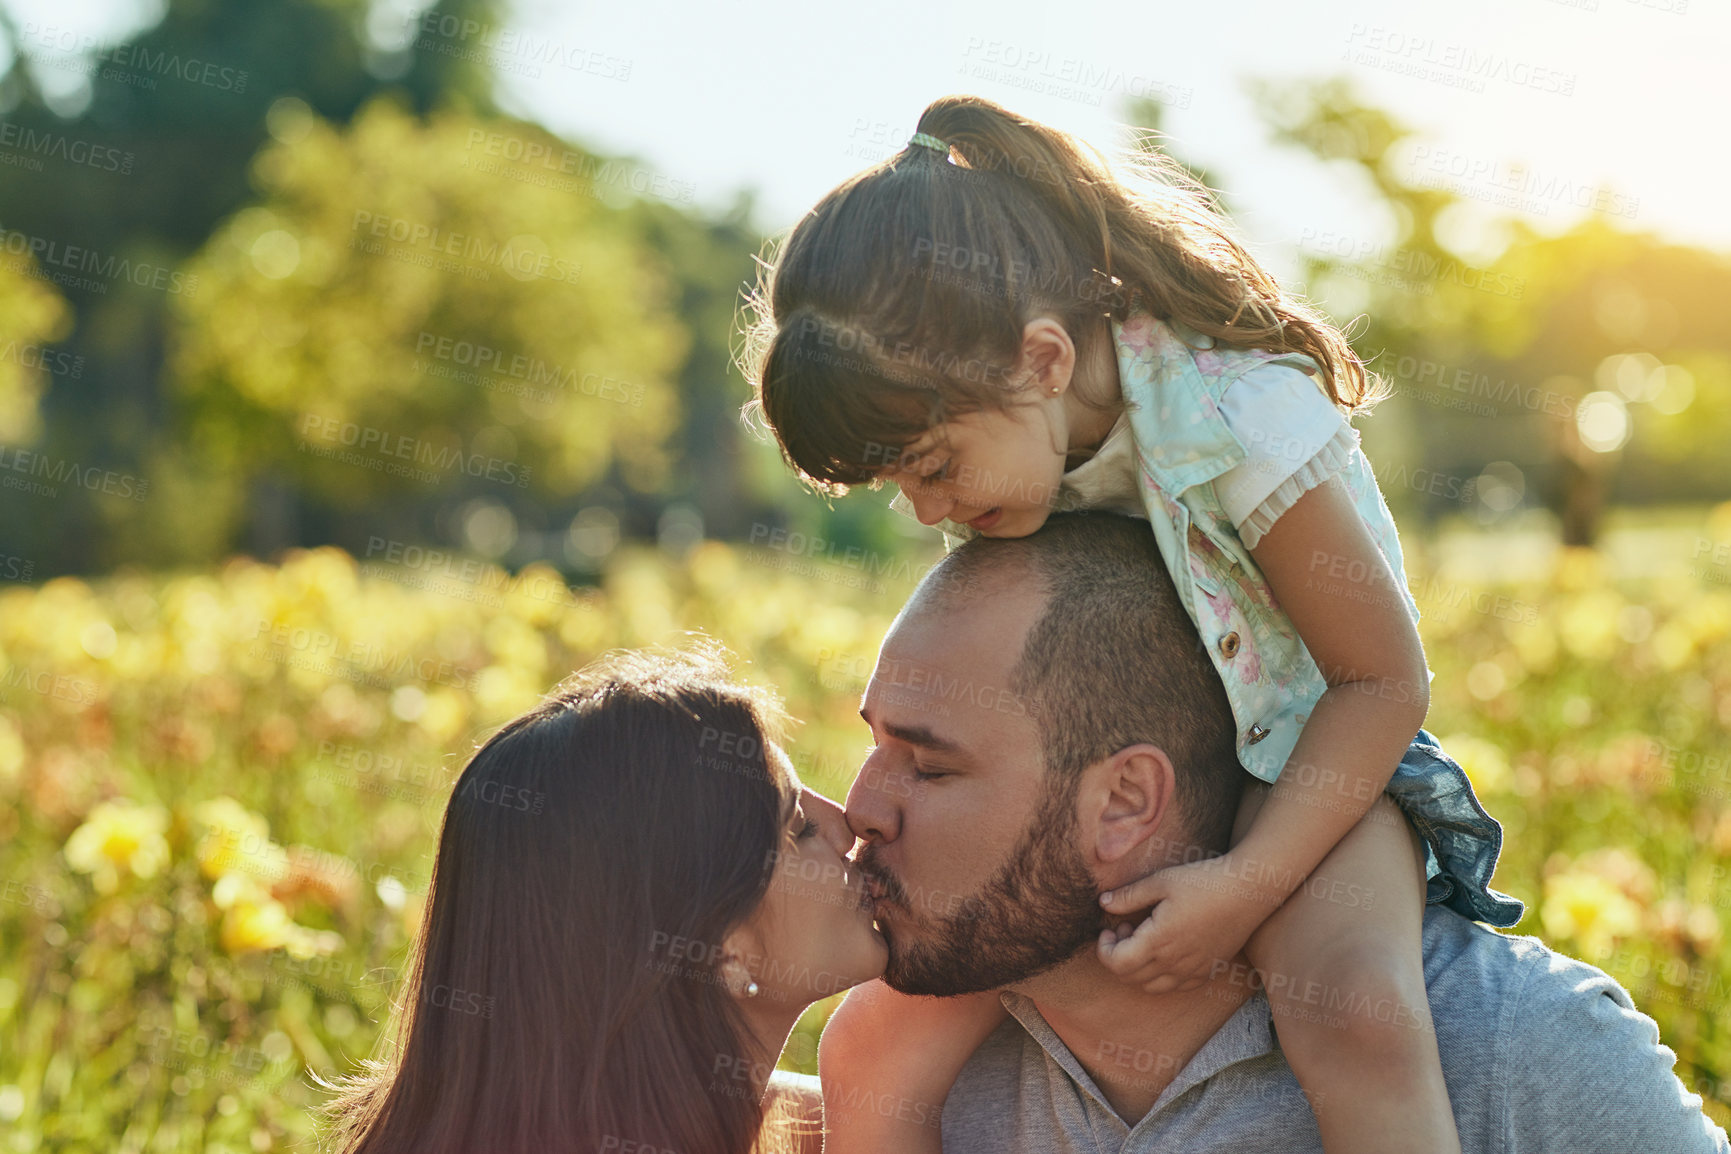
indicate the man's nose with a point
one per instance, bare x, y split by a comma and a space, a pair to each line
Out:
871, 812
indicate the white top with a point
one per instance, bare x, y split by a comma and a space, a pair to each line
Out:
1294, 439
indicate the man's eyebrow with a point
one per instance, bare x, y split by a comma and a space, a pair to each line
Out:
918, 735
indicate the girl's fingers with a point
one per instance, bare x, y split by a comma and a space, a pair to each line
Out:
1139, 894
1118, 957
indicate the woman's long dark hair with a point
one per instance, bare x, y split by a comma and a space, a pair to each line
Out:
564, 993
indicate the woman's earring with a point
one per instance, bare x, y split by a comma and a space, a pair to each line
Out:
1055, 390
751, 989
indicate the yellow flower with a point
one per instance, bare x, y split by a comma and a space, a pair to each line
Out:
118, 836
11, 751
1486, 764
1589, 909
1579, 567
253, 920
1588, 624
236, 840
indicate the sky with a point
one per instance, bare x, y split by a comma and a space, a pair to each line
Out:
1612, 102
1526, 108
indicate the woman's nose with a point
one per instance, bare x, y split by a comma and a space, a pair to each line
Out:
832, 821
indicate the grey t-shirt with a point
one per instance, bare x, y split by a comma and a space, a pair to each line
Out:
1541, 1052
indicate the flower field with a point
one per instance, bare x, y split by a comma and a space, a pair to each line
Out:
219, 792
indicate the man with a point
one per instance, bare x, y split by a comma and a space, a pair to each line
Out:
1048, 729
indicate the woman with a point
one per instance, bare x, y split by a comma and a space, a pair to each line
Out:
634, 900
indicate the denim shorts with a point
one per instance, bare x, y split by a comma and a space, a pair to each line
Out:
1461, 840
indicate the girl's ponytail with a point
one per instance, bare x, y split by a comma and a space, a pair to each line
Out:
1173, 246
1069, 183
898, 302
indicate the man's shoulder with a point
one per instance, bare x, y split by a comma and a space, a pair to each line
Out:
987, 1108
1548, 1052
1516, 971
1504, 994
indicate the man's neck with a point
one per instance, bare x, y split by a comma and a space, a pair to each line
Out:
1133, 1044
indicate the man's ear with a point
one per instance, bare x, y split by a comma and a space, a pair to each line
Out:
1124, 799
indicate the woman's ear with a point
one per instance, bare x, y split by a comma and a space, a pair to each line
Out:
740, 950
1126, 799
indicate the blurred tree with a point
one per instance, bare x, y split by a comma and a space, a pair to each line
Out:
710, 261
1621, 341
32, 317
435, 314
1533, 338
165, 125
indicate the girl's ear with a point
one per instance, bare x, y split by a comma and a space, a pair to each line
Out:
1048, 356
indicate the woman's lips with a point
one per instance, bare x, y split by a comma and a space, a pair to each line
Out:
987, 519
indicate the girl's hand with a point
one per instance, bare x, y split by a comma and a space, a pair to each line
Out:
1203, 914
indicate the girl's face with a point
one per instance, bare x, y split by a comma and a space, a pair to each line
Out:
997, 471
815, 925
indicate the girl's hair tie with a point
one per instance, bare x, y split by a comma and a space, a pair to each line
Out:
929, 141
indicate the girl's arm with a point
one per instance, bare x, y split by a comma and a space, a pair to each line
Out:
888, 1060
1328, 575
1334, 584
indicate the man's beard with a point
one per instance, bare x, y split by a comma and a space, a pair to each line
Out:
1042, 907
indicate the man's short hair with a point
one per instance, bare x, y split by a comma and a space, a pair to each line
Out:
1113, 660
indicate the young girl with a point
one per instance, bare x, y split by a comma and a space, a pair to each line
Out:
1003, 325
